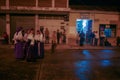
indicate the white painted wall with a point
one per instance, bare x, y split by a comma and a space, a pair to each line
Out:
72, 24
52, 25
98, 18
104, 19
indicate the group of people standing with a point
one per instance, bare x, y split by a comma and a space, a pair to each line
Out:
29, 45
60, 36
88, 38
92, 38
57, 38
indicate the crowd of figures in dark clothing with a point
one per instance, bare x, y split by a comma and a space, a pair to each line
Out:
88, 38
94, 40
29, 45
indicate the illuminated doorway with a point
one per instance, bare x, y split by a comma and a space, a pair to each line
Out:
84, 26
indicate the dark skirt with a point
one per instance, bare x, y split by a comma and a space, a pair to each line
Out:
41, 50
31, 53
19, 50
37, 49
26, 45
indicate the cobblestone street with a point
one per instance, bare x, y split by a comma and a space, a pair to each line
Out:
85, 64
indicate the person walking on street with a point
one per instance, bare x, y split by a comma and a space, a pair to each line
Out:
53, 46
47, 36
102, 39
96, 39
58, 36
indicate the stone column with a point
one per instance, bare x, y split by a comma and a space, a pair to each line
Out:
67, 28
36, 18
36, 3
36, 22
67, 4
7, 4
53, 3
8, 25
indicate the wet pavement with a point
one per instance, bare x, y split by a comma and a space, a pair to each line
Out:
83, 64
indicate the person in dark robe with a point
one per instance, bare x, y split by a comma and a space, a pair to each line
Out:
82, 39
58, 36
18, 41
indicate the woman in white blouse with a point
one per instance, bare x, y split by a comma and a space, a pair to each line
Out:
31, 50
18, 42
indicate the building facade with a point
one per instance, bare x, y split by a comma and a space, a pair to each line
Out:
55, 14
98, 21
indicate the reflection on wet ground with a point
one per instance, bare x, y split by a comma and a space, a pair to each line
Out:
84, 68
82, 65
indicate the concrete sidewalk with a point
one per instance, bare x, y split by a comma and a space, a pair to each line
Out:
74, 46
69, 46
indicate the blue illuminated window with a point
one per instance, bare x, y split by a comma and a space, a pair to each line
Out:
109, 30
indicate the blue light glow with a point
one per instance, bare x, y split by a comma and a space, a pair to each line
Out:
107, 51
107, 54
108, 32
105, 63
83, 25
87, 54
82, 69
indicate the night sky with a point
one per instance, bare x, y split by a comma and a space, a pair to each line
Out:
95, 2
